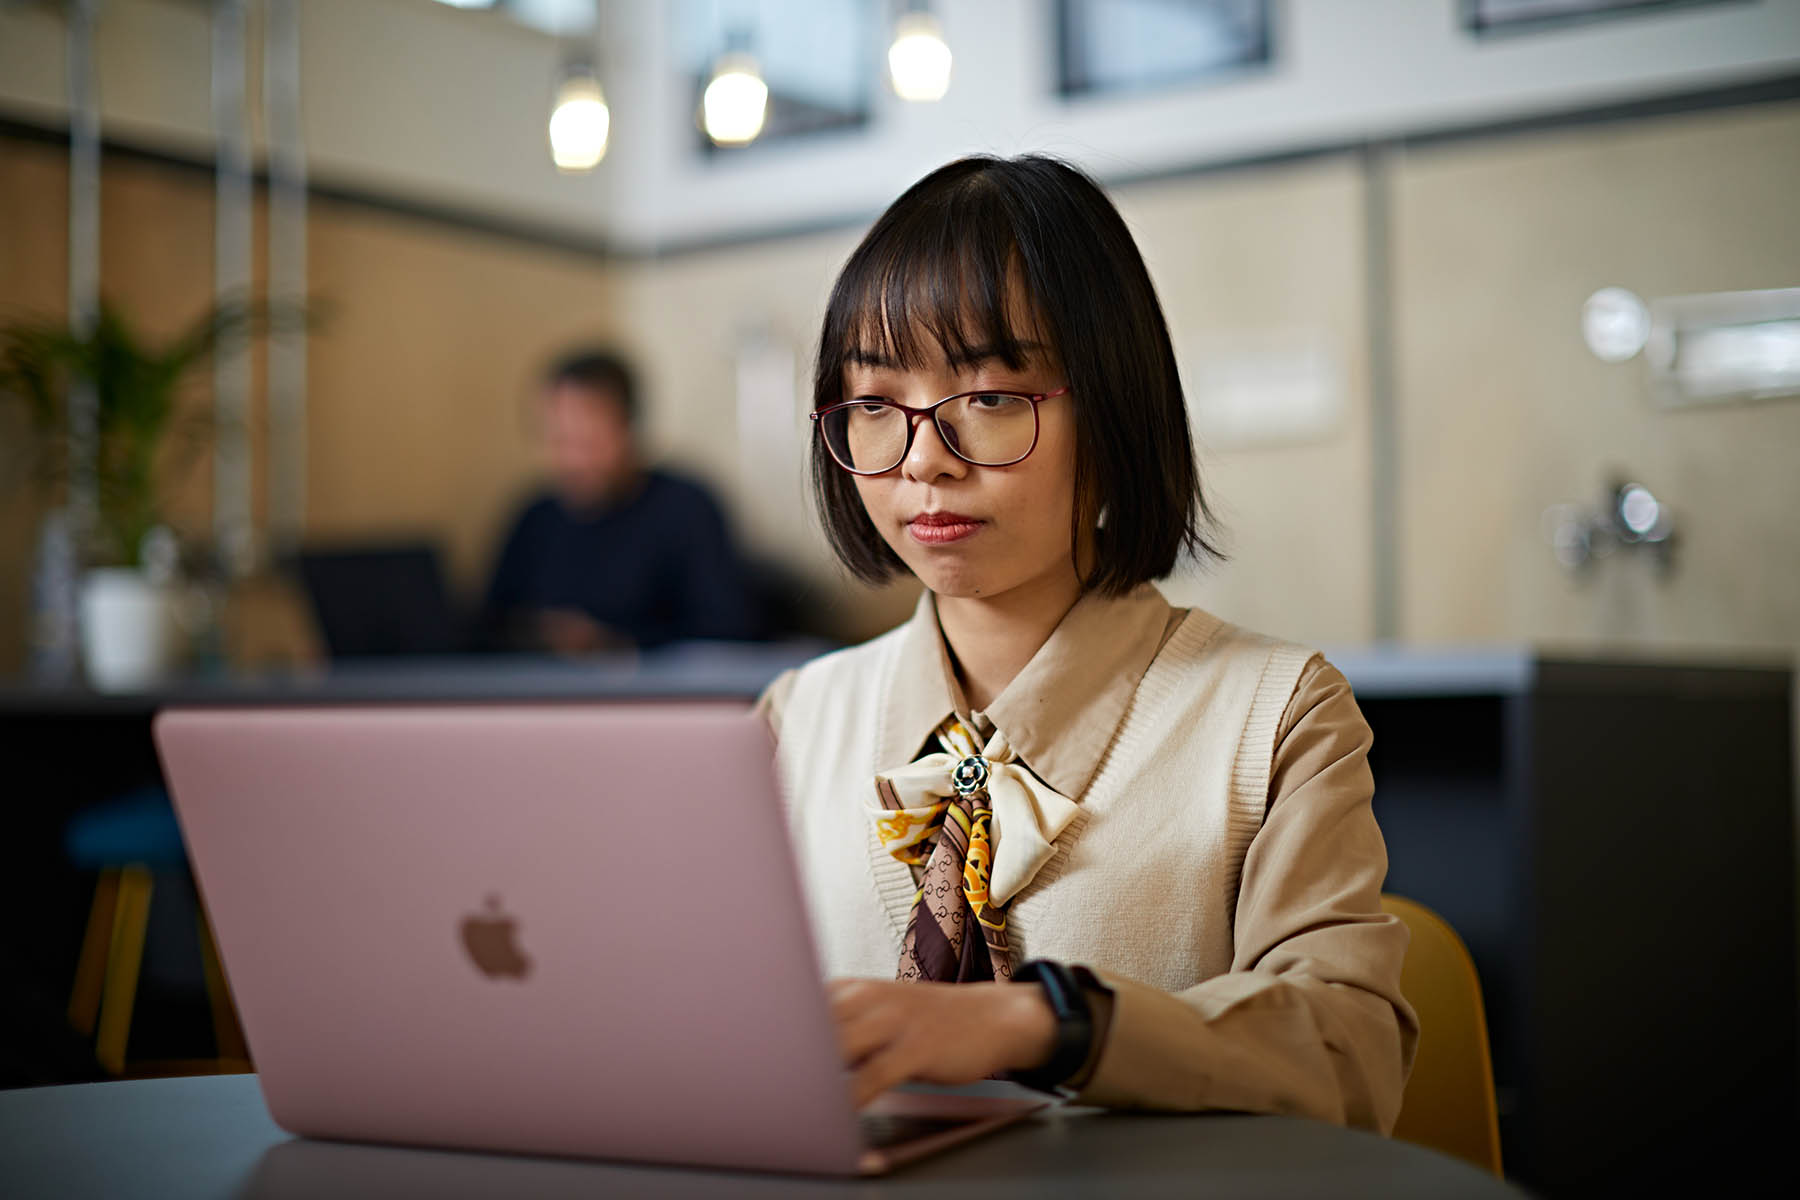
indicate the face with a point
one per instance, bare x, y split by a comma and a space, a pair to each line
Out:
971, 532
588, 442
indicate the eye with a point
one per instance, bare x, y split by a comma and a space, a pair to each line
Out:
869, 405
996, 401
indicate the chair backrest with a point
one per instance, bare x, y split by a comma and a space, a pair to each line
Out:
1449, 1100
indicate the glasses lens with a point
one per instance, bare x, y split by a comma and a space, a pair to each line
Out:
870, 438
992, 429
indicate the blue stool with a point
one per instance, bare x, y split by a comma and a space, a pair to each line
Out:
127, 840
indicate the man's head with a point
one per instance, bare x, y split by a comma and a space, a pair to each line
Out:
589, 411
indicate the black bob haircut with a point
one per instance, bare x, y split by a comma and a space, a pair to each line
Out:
600, 371
935, 270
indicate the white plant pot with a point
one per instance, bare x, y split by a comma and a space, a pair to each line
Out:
129, 634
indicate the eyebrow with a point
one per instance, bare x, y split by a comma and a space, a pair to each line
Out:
974, 356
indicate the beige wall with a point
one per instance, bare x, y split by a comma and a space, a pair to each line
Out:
1503, 410
1270, 261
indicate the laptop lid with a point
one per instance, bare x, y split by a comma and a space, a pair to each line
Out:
564, 930
380, 599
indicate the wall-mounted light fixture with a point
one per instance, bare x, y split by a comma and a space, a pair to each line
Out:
919, 58
736, 100
1712, 348
579, 120
1725, 346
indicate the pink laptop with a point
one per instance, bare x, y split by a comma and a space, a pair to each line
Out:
569, 930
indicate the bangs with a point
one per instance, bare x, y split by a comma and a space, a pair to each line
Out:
941, 280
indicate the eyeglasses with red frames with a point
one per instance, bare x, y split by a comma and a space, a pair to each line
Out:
872, 435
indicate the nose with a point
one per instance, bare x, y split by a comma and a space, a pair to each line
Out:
928, 459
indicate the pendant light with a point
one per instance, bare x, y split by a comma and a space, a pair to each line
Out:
919, 58
736, 100
579, 121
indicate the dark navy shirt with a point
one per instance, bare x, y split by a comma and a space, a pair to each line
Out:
657, 567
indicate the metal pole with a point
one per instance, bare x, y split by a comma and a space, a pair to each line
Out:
287, 274
84, 262
1384, 430
233, 530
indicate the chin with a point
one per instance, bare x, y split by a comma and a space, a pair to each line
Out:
955, 580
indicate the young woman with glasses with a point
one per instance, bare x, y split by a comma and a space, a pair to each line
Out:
1053, 827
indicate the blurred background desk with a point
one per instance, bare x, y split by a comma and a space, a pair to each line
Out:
688, 670
213, 1138
1613, 839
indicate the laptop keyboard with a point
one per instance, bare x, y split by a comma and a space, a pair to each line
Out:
881, 1130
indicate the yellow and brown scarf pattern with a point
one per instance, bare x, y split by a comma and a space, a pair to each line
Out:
943, 815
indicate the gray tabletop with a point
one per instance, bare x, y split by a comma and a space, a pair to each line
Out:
212, 1137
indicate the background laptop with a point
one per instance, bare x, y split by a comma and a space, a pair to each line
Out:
565, 930
385, 599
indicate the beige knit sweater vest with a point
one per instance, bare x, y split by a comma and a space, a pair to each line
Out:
1143, 883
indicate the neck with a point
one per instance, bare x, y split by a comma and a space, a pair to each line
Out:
992, 638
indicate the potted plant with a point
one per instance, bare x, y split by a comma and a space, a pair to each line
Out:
144, 439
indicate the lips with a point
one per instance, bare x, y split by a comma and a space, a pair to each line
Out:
939, 528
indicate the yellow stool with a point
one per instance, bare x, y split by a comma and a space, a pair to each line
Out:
124, 839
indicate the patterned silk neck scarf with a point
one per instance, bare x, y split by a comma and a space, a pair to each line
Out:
944, 815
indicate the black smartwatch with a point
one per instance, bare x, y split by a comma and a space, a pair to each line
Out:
1066, 990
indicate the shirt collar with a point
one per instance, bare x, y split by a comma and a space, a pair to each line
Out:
1059, 713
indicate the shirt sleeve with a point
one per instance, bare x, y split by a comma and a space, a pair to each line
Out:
1310, 1019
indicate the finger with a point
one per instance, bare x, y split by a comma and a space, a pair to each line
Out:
888, 1067
850, 996
865, 1032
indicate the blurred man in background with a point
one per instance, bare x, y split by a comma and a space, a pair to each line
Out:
615, 554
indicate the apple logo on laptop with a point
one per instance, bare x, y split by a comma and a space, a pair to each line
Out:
488, 937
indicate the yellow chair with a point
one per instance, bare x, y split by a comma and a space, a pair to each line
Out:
1449, 1101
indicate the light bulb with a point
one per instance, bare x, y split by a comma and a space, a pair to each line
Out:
579, 124
735, 101
1615, 324
919, 59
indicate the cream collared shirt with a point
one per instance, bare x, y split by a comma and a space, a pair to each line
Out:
1299, 1008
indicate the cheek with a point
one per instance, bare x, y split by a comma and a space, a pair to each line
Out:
877, 499
1051, 486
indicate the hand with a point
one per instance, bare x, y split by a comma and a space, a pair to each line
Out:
893, 1032
571, 631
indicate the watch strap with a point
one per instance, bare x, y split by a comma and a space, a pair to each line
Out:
1065, 989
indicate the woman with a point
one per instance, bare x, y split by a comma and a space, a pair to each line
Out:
1049, 776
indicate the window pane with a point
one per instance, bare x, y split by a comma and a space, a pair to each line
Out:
1506, 15
1117, 45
